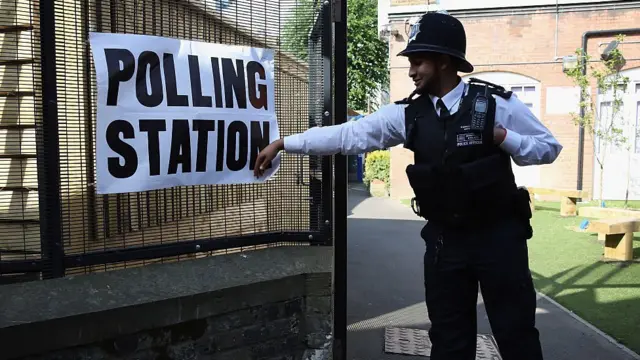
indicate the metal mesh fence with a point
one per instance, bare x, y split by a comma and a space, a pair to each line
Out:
20, 107
103, 232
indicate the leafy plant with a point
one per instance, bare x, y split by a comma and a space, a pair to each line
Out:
295, 34
367, 54
605, 128
378, 167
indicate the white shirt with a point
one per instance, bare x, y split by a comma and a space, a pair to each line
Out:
528, 141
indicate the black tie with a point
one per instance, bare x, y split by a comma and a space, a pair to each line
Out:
444, 112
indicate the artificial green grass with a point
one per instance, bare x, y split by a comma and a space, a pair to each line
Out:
568, 266
631, 204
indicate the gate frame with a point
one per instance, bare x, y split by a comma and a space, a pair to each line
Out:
48, 152
54, 262
340, 211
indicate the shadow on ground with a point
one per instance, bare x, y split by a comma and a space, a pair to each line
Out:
611, 306
386, 288
384, 274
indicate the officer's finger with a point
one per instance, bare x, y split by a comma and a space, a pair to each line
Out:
264, 165
257, 168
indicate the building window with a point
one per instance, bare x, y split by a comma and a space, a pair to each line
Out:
604, 124
637, 149
525, 88
526, 94
604, 117
637, 128
620, 88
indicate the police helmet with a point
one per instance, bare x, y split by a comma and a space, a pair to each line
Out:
442, 33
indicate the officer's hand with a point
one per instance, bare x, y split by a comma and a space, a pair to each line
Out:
266, 156
499, 134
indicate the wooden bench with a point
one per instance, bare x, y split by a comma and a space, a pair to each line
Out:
568, 198
597, 212
617, 234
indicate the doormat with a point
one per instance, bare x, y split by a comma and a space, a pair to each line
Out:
406, 341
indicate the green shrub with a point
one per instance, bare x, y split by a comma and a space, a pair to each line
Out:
377, 167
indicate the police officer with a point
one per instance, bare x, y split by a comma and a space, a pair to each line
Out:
463, 136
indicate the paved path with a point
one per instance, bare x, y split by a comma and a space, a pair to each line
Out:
385, 280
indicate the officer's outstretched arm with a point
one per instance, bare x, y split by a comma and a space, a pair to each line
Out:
381, 129
527, 140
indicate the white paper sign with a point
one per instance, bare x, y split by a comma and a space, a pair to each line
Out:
175, 112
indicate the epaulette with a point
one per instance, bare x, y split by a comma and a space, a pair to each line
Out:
407, 100
493, 88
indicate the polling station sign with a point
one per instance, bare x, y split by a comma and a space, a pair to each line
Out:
175, 112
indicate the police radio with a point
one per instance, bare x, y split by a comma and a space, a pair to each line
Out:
479, 111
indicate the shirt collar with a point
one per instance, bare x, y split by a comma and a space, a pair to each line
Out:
452, 97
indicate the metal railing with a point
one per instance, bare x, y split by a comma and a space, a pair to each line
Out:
52, 221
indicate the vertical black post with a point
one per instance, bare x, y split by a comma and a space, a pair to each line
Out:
317, 186
88, 126
340, 207
48, 151
327, 118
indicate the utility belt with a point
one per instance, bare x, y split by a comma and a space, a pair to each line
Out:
468, 194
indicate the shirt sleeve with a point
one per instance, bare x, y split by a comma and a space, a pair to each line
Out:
527, 140
379, 130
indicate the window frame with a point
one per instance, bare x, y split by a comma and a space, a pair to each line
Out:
534, 98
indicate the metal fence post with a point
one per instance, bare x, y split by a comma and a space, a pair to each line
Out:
327, 118
48, 150
88, 113
340, 197
316, 75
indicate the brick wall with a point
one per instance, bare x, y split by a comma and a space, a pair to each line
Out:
494, 41
273, 331
228, 307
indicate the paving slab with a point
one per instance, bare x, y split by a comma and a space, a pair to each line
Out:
385, 290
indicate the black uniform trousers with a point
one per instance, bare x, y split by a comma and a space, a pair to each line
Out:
496, 257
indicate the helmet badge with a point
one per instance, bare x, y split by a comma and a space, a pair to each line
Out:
415, 30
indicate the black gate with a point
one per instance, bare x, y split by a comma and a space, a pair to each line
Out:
52, 222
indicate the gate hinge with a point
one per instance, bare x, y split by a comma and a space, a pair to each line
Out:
336, 13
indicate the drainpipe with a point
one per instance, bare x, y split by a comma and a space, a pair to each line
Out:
555, 52
585, 38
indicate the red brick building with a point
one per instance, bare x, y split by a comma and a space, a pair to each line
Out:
522, 48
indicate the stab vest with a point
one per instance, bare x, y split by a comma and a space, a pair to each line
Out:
459, 176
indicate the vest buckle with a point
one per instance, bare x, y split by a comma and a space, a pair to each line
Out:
415, 206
